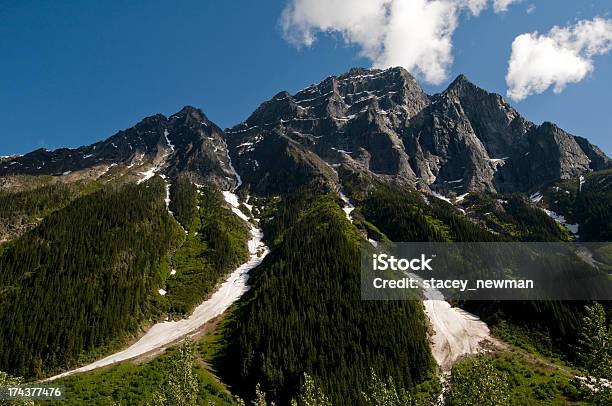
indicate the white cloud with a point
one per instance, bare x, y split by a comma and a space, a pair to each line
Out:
360, 22
415, 34
531, 8
500, 6
564, 55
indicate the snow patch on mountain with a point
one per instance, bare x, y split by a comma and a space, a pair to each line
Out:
348, 207
233, 201
439, 196
147, 175
170, 145
573, 228
536, 197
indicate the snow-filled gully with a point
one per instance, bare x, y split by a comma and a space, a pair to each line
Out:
165, 333
456, 333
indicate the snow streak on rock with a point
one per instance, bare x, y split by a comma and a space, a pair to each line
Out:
166, 133
348, 207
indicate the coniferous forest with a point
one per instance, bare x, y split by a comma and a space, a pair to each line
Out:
593, 210
86, 278
214, 244
405, 216
83, 279
183, 200
305, 314
21, 210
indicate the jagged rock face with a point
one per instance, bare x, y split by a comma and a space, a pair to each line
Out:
544, 155
350, 120
599, 160
373, 125
200, 150
142, 139
481, 143
379, 123
186, 142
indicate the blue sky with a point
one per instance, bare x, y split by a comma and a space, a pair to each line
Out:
74, 72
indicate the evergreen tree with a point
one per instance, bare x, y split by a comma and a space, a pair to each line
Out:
380, 393
260, 397
595, 353
477, 382
311, 395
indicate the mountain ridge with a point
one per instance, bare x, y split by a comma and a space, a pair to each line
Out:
184, 142
378, 124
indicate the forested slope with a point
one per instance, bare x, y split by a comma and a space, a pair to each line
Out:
304, 313
84, 278
587, 203
22, 209
215, 244
403, 215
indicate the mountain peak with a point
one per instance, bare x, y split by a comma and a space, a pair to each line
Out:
155, 118
461, 78
281, 95
190, 111
462, 84
359, 71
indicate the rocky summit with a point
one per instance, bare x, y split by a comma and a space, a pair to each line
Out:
369, 124
380, 124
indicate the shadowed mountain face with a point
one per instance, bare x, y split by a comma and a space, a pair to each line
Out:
380, 124
482, 141
377, 124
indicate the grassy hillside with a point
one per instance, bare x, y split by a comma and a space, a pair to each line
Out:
141, 384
